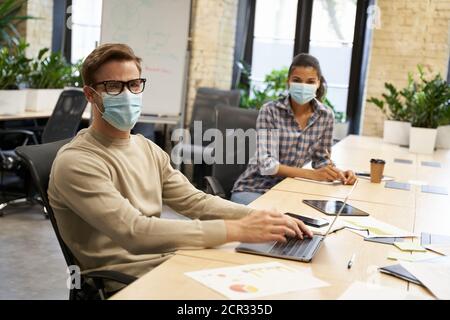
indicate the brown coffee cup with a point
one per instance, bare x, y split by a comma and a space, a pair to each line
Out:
376, 170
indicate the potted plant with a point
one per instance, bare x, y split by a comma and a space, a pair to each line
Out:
396, 126
49, 74
429, 107
443, 131
14, 68
341, 125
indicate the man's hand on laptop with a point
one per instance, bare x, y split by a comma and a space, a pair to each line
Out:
264, 226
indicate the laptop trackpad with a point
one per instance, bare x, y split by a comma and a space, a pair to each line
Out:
256, 247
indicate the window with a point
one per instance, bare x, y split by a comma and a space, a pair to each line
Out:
335, 31
86, 21
331, 41
274, 36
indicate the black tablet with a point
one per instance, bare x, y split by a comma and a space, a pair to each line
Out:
331, 207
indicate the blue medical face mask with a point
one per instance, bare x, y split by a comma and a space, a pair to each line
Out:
302, 93
122, 111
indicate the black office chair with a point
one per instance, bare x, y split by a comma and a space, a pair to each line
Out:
39, 160
62, 124
223, 175
203, 111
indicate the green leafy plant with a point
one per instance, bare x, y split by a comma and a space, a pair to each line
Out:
273, 87
9, 18
339, 116
430, 104
14, 66
53, 71
395, 105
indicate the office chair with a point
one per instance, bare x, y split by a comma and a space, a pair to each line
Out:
39, 160
62, 124
203, 111
223, 175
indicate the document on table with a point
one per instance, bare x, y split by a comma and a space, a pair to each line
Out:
368, 291
333, 183
411, 257
443, 249
256, 280
338, 225
369, 227
434, 276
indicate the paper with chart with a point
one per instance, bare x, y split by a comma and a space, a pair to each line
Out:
369, 227
434, 276
256, 280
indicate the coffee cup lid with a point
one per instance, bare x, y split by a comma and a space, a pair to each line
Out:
378, 161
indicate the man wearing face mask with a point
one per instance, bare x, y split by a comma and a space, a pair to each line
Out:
301, 130
107, 186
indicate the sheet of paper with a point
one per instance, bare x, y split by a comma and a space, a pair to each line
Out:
443, 249
335, 182
434, 190
369, 227
368, 291
397, 185
406, 161
366, 176
434, 276
339, 225
410, 257
431, 164
256, 280
410, 246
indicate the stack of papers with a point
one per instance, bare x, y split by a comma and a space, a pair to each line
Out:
256, 280
433, 275
335, 182
372, 228
443, 249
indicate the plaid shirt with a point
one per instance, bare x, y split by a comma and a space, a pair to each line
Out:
289, 145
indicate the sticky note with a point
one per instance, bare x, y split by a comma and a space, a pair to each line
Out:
409, 246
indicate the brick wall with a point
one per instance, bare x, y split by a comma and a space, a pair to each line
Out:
412, 32
39, 31
213, 32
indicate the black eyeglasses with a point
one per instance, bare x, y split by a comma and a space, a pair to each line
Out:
115, 87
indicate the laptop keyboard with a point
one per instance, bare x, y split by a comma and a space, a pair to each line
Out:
294, 247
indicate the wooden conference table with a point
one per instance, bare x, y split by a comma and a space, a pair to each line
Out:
412, 211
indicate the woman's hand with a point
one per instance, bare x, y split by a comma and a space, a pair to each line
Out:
264, 226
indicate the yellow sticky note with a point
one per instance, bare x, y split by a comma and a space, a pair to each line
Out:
409, 246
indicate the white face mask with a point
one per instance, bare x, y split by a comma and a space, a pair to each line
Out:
302, 93
123, 110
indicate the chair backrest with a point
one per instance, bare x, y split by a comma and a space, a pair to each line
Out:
231, 119
203, 109
66, 116
39, 160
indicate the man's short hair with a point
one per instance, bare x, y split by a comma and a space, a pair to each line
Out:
105, 53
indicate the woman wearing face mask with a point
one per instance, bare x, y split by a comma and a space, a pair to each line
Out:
292, 131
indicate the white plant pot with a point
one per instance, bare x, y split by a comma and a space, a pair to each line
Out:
12, 101
340, 130
396, 132
443, 137
42, 99
422, 140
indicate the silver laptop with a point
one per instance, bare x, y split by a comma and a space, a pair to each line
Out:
295, 248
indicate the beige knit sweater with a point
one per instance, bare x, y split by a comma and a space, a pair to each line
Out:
107, 196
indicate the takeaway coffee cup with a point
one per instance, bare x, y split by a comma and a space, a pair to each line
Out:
376, 170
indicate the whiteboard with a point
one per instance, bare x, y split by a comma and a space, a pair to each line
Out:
158, 33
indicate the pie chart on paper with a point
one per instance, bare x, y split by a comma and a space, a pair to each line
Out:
243, 288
